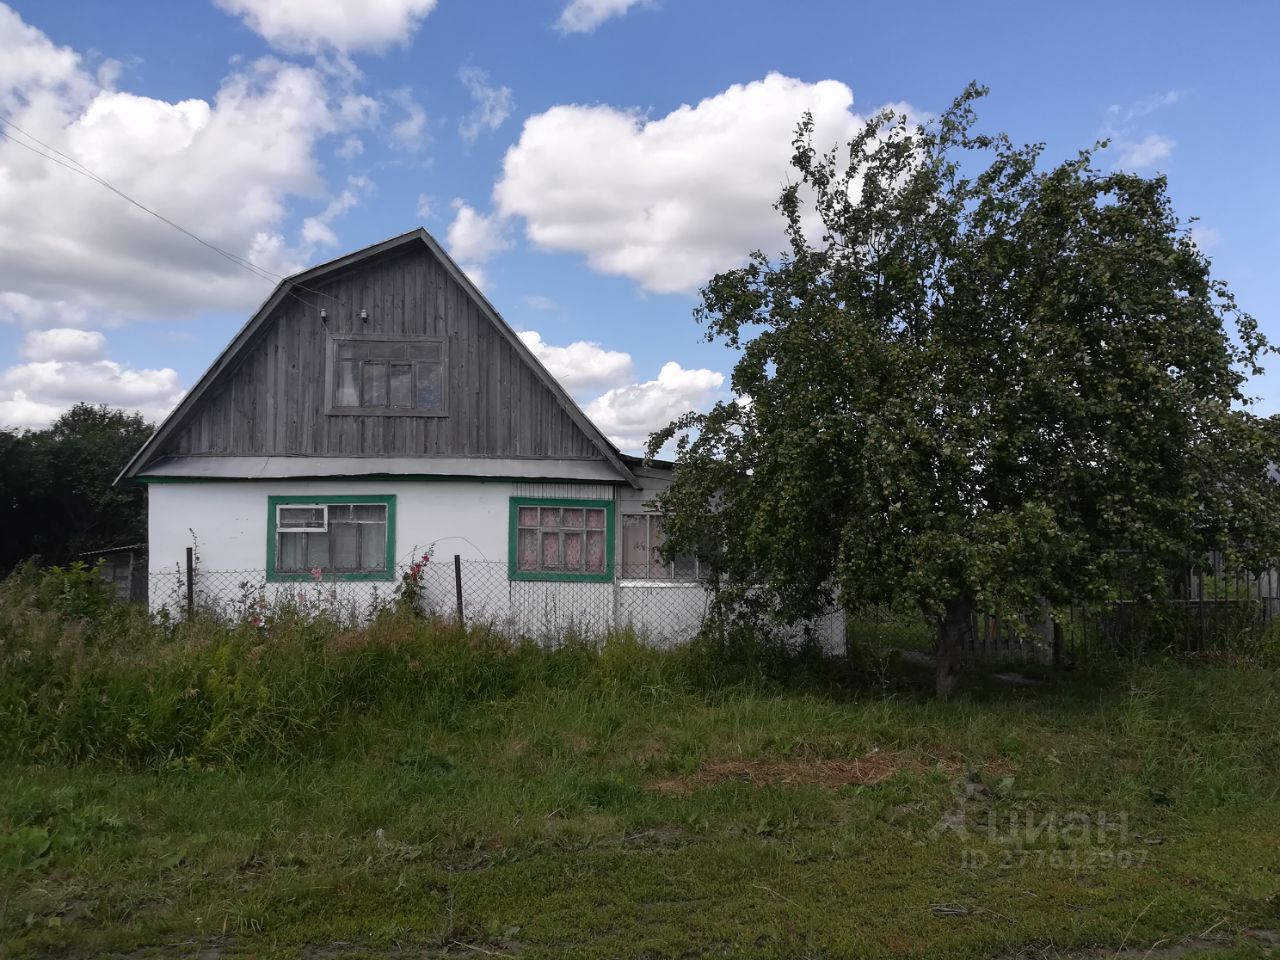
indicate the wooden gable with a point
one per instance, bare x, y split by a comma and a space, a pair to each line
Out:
266, 396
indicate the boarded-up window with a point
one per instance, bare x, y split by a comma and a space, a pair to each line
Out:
642, 540
340, 538
388, 376
561, 539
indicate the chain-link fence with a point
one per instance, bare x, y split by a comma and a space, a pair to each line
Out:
1201, 610
663, 611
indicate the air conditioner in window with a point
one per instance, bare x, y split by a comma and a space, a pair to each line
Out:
302, 518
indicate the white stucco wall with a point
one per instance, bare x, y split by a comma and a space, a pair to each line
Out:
466, 516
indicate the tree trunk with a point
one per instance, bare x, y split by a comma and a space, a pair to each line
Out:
953, 631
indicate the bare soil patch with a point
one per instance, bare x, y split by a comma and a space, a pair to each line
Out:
864, 771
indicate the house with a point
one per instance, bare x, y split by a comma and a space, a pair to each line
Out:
377, 405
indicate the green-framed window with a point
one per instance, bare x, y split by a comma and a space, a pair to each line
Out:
344, 537
559, 539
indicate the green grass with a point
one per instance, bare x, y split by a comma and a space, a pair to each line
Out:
416, 791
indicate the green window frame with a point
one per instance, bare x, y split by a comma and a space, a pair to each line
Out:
578, 576
388, 571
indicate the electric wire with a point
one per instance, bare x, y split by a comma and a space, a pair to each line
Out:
75, 166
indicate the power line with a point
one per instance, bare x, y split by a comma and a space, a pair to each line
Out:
75, 166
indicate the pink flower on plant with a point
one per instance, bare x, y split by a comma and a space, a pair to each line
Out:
316, 573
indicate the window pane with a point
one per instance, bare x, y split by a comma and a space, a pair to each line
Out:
371, 513
595, 519
345, 538
528, 516
573, 551
572, 518
430, 385
426, 351
686, 567
317, 550
550, 559
300, 517
527, 550
290, 552
345, 393
595, 551
401, 385
339, 512
373, 389
635, 545
550, 517
657, 537
373, 546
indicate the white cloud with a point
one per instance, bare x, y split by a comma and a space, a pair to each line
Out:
20, 412
1146, 152
27, 311
63, 343
667, 202
583, 16
72, 371
476, 273
227, 168
426, 206
1205, 238
309, 26
581, 365
1118, 115
628, 414
410, 133
493, 104
351, 148
1119, 126
474, 237
316, 231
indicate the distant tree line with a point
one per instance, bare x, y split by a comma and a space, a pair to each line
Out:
56, 494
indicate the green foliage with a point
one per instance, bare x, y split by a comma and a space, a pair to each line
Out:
608, 799
82, 678
56, 493
973, 383
74, 591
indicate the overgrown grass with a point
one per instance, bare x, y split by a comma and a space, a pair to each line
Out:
417, 790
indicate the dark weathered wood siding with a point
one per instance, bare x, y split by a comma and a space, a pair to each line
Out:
272, 402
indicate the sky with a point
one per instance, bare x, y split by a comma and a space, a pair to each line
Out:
590, 163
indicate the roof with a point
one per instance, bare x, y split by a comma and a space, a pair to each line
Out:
120, 549
245, 336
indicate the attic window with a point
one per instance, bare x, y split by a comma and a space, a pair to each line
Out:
387, 376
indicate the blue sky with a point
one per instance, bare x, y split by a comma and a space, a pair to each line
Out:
589, 161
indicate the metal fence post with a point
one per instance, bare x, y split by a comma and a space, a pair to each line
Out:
191, 582
457, 584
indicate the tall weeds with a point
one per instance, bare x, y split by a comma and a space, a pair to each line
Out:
82, 681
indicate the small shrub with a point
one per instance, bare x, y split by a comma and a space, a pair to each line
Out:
75, 591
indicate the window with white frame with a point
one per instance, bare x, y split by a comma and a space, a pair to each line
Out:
642, 540
338, 538
387, 375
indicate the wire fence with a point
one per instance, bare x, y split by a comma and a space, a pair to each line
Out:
1202, 611
663, 611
